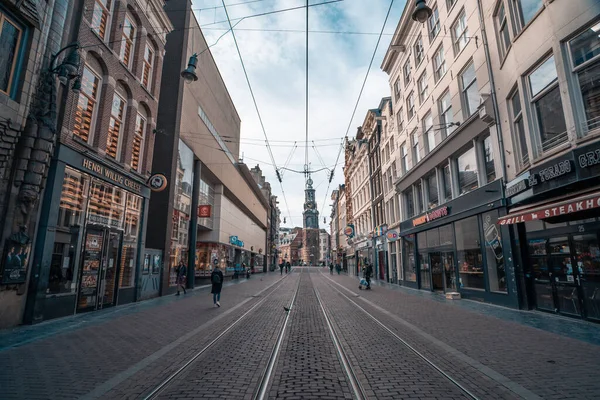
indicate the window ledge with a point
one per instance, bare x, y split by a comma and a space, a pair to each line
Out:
503, 59
82, 142
591, 135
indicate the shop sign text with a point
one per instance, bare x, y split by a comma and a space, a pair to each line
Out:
589, 159
111, 175
552, 172
234, 240
548, 212
430, 216
517, 188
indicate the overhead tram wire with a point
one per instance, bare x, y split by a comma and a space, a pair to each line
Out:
359, 96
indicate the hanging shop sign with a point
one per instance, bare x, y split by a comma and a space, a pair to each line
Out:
392, 236
349, 230
430, 216
110, 175
157, 182
381, 230
553, 210
204, 211
234, 240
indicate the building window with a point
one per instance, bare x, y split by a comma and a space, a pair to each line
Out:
460, 33
434, 24
406, 70
86, 105
404, 159
397, 88
502, 30
467, 171
446, 120
418, 49
450, 4
524, 11
439, 64
148, 67
117, 116
432, 191
423, 87
585, 61
128, 42
468, 252
488, 153
518, 131
101, 17
419, 195
447, 183
415, 145
547, 105
410, 203
138, 142
428, 132
10, 37
470, 92
410, 105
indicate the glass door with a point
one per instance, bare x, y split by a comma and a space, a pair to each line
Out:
563, 275
110, 266
542, 277
437, 272
90, 270
587, 274
449, 271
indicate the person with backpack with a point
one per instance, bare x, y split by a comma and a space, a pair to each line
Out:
181, 273
288, 267
216, 278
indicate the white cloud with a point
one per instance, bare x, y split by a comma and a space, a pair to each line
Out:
275, 63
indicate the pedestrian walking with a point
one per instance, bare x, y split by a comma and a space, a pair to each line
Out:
288, 266
331, 269
368, 274
181, 274
216, 278
338, 268
281, 266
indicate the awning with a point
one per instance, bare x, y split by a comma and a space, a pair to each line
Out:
553, 209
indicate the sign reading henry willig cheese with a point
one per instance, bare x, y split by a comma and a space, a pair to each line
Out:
111, 175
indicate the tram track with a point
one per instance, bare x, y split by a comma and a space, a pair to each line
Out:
447, 376
165, 384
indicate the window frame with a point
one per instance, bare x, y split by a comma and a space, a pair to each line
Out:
414, 140
485, 159
500, 26
142, 142
462, 17
443, 112
410, 105
148, 66
407, 71
519, 19
431, 30
467, 112
446, 186
516, 122
109, 11
121, 121
427, 180
456, 158
404, 159
21, 39
439, 70
423, 87
418, 49
125, 40
95, 101
427, 131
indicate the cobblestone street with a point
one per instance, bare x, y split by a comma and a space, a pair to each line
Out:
335, 342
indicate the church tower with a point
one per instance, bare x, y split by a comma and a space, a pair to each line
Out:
310, 214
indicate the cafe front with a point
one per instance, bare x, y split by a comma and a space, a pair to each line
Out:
460, 247
554, 215
89, 241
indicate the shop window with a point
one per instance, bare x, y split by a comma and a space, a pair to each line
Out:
467, 171
460, 33
418, 50
107, 204
138, 142
468, 251
423, 85
432, 190
502, 32
547, 105
419, 195
410, 203
518, 131
434, 24
408, 253
488, 153
128, 42
11, 43
410, 105
115, 124
424, 267
445, 109
428, 132
406, 71
89, 95
148, 67
101, 18
470, 92
73, 199
524, 11
494, 257
447, 182
585, 63
439, 64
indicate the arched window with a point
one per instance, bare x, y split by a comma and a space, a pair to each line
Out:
115, 125
148, 66
139, 139
128, 41
101, 17
87, 110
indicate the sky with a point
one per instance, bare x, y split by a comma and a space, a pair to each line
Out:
276, 65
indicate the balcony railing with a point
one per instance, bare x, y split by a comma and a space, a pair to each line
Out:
556, 141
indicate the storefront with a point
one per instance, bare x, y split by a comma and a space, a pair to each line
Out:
460, 247
555, 211
393, 246
89, 244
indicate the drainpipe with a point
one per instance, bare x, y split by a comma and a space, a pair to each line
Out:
492, 91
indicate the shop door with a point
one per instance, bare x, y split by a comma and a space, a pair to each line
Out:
151, 272
587, 261
109, 270
449, 272
437, 274
382, 264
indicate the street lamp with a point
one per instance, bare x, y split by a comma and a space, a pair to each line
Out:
189, 74
422, 12
69, 68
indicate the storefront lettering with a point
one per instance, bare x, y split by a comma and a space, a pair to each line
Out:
111, 175
427, 217
554, 171
589, 159
568, 208
516, 188
234, 240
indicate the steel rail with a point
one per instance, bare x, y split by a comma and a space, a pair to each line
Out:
407, 345
163, 385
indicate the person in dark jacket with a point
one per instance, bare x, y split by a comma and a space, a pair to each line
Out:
181, 273
216, 278
281, 266
288, 267
368, 274
331, 269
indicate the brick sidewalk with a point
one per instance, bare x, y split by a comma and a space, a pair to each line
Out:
549, 365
